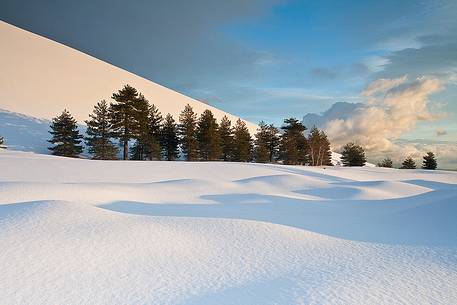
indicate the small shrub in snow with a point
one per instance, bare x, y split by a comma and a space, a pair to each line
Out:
387, 162
408, 164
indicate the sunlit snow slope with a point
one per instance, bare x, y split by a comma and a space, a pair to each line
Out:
41, 77
114, 232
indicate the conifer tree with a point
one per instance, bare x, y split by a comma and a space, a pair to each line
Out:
242, 142
226, 137
155, 126
65, 136
353, 155
188, 133
429, 161
273, 142
319, 148
140, 129
293, 145
209, 147
261, 145
326, 157
169, 139
408, 163
387, 162
99, 133
123, 116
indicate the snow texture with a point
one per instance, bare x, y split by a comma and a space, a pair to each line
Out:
114, 232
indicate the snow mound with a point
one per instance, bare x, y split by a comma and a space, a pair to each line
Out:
91, 232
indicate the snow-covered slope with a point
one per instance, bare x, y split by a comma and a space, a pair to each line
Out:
22, 132
26, 133
40, 77
114, 232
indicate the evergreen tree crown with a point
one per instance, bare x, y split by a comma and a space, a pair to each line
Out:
429, 161
409, 163
65, 136
353, 155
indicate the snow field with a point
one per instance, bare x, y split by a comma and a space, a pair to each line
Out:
92, 232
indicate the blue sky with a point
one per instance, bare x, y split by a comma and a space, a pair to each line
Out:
264, 60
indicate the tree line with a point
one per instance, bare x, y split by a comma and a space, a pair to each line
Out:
429, 162
138, 128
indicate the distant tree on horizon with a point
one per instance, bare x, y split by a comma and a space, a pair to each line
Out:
169, 139
429, 161
242, 142
408, 163
386, 162
353, 155
293, 144
187, 128
99, 133
65, 136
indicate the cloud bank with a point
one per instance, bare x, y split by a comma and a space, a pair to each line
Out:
392, 108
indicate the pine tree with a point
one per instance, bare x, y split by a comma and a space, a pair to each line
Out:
209, 147
387, 162
169, 139
153, 148
99, 133
261, 145
242, 142
188, 133
65, 136
123, 116
319, 148
140, 129
408, 163
326, 157
293, 145
226, 137
353, 155
273, 142
429, 161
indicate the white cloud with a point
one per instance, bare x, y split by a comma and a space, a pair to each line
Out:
382, 85
393, 107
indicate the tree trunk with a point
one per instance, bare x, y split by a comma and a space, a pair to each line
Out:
126, 150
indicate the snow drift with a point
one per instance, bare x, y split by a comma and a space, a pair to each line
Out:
113, 232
